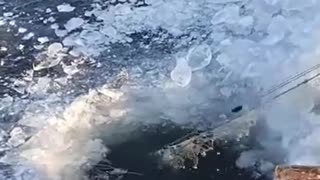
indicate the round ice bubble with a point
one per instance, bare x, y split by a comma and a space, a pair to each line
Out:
182, 73
199, 57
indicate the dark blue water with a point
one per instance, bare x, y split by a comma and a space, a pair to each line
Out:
137, 155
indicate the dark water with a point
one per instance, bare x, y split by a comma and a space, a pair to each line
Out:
136, 156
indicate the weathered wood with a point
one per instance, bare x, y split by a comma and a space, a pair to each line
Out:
297, 173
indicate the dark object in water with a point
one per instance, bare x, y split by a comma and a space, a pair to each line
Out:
237, 109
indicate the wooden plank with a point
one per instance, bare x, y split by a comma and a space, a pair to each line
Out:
297, 173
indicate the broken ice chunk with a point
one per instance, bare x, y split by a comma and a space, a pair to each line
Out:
70, 70
51, 19
65, 8
48, 10
276, 30
60, 33
17, 137
52, 58
8, 14
229, 14
47, 63
54, 48
54, 26
182, 73
199, 57
28, 36
244, 25
75, 52
74, 23
22, 30
43, 40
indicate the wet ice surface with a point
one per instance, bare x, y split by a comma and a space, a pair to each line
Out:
188, 61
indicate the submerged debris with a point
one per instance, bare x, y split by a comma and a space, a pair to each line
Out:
191, 148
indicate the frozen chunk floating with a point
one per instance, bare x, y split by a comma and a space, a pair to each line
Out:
28, 36
22, 30
182, 73
65, 8
54, 48
17, 137
53, 57
43, 40
199, 57
74, 23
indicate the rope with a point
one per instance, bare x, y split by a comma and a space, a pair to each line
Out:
291, 79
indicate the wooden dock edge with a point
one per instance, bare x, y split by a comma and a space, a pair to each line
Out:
297, 173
